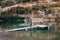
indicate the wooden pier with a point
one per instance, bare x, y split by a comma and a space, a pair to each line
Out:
26, 28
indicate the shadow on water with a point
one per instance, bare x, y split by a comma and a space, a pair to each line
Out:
10, 23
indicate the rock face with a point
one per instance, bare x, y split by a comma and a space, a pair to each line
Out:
49, 1
1, 8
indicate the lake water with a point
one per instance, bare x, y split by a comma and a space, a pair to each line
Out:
11, 24
26, 35
30, 35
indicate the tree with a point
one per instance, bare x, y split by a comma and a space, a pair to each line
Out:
36, 7
25, 1
3, 4
6, 3
17, 1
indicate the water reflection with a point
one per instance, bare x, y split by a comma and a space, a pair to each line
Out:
26, 35
10, 23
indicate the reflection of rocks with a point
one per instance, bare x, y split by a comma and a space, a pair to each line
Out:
26, 35
6, 36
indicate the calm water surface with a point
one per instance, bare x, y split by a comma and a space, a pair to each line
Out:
26, 35
11, 24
